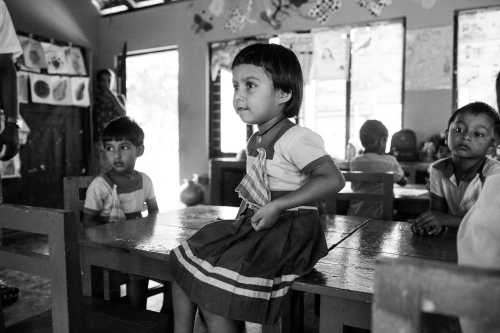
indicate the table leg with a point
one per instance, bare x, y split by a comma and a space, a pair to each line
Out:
336, 312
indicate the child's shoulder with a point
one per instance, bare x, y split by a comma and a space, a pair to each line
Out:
491, 167
442, 165
298, 133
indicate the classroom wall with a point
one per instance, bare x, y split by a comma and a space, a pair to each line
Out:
74, 21
424, 111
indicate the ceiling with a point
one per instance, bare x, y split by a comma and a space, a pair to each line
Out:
110, 7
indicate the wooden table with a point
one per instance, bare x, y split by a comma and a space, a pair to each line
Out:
142, 246
344, 278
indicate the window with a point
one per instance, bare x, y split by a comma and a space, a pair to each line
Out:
152, 101
351, 74
477, 56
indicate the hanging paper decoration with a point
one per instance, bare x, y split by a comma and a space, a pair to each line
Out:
200, 24
275, 13
216, 7
80, 91
238, 18
22, 87
322, 9
33, 55
302, 46
50, 89
74, 58
204, 15
330, 55
374, 6
56, 58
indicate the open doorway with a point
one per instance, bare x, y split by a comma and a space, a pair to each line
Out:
152, 100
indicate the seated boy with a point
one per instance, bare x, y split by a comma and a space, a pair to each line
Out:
456, 181
373, 135
122, 192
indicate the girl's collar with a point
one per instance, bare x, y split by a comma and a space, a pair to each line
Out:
260, 133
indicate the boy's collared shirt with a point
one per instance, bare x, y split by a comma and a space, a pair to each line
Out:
459, 195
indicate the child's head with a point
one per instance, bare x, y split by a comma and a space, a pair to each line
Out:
105, 79
123, 142
373, 135
472, 130
267, 79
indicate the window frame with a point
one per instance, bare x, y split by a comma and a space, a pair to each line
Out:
214, 85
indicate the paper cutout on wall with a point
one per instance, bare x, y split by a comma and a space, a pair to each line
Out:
22, 87
429, 58
75, 61
330, 55
50, 89
61, 90
80, 91
33, 54
56, 59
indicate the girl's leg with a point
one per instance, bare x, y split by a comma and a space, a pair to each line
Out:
184, 310
221, 324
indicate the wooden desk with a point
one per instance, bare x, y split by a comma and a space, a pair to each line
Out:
344, 278
142, 246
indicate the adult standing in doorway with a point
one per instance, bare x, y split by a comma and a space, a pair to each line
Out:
108, 105
9, 136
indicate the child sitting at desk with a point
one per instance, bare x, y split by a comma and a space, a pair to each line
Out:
121, 192
456, 181
373, 135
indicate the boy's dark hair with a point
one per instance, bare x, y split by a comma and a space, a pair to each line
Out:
477, 108
123, 128
283, 67
371, 132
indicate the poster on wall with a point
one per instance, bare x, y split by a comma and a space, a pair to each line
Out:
50, 89
330, 55
60, 89
22, 87
80, 91
429, 58
33, 57
75, 61
56, 58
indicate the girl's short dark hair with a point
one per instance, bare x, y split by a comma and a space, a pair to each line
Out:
477, 108
123, 128
371, 132
283, 67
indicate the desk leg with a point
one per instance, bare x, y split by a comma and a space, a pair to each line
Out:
337, 312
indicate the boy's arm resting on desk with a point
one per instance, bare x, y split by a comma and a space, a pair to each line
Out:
324, 178
433, 221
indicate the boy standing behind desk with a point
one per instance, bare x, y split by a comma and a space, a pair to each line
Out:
122, 192
373, 135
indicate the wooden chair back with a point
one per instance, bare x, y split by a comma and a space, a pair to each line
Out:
404, 288
75, 188
386, 197
61, 264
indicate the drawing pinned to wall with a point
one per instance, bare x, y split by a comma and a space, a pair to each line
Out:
40, 88
374, 6
75, 61
22, 87
56, 58
80, 91
33, 54
330, 55
61, 90
429, 58
239, 16
322, 9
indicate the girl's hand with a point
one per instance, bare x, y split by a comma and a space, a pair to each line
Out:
266, 216
427, 224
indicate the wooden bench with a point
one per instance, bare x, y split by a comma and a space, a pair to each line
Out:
407, 287
70, 312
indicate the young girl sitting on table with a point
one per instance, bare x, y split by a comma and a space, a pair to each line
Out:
241, 270
456, 181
